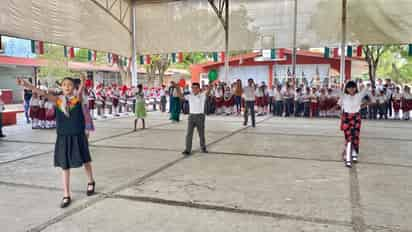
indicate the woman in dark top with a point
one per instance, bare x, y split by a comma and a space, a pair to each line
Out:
72, 147
27, 95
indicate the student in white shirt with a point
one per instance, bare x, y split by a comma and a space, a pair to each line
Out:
163, 99
382, 107
372, 106
350, 102
197, 101
1, 116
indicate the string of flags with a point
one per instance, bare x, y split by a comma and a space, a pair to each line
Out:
334, 52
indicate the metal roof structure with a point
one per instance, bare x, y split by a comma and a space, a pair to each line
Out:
164, 26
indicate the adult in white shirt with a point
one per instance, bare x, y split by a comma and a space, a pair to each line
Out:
350, 102
1, 116
197, 101
249, 97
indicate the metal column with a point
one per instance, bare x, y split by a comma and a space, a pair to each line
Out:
134, 47
227, 41
295, 21
343, 44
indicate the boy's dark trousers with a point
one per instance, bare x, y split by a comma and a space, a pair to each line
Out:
372, 108
298, 108
382, 111
1, 123
195, 121
250, 108
278, 109
306, 109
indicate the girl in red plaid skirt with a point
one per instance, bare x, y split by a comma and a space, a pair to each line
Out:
350, 102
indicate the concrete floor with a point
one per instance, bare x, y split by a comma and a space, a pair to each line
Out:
284, 175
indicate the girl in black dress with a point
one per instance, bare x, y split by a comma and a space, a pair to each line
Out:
72, 147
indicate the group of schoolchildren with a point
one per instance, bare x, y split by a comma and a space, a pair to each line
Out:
381, 102
115, 100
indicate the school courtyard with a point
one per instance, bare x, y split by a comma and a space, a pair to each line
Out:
284, 175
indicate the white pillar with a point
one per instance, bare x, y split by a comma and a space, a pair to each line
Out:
295, 21
227, 42
343, 44
134, 47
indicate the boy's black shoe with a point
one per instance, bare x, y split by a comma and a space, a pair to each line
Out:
186, 153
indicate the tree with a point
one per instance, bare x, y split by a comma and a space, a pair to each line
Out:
157, 68
373, 55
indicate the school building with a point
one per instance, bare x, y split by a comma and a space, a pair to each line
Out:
262, 68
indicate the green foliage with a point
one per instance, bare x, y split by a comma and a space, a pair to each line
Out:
396, 64
189, 59
57, 64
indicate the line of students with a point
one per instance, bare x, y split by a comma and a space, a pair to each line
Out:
304, 101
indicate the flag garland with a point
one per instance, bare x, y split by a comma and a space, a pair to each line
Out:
409, 49
71, 53
326, 52
215, 56
173, 58
272, 53
349, 51
359, 50
281, 53
89, 55
180, 57
335, 52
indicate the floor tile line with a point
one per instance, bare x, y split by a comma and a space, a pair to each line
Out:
212, 152
32, 186
203, 206
323, 136
26, 157
358, 220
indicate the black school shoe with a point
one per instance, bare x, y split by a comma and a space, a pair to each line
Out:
65, 202
91, 191
186, 153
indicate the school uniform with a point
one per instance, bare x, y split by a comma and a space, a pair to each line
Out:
373, 107
306, 105
278, 98
219, 94
249, 97
382, 106
72, 147
397, 97
406, 105
299, 104
351, 123
35, 112
288, 97
163, 100
228, 102
314, 105
196, 119
2, 108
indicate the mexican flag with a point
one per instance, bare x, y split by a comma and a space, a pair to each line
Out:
349, 51
37, 47
145, 59
359, 50
173, 58
91, 55
180, 57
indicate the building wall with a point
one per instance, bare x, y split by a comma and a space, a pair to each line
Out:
8, 79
